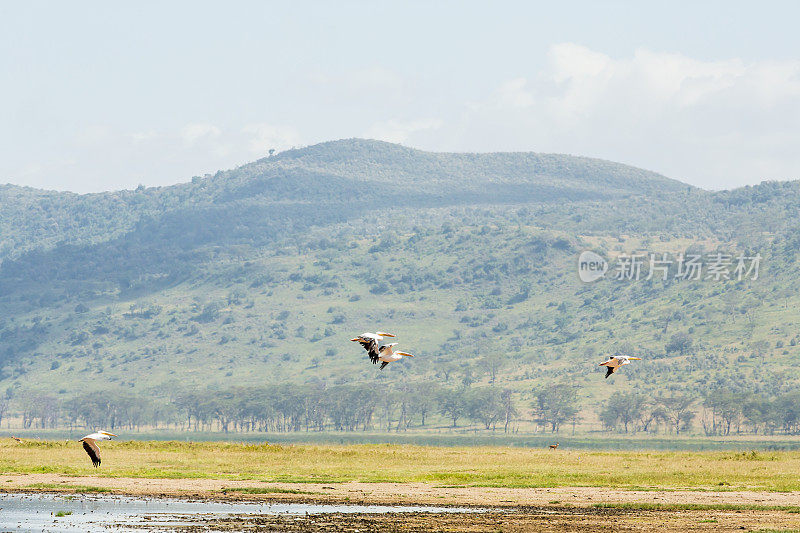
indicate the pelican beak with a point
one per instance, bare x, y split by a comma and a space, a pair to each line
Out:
389, 335
635, 358
406, 354
111, 434
354, 340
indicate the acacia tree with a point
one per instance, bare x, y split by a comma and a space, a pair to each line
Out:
726, 409
758, 413
509, 409
677, 411
623, 408
39, 409
485, 406
421, 400
5, 403
679, 343
452, 404
787, 412
648, 415
554, 404
491, 364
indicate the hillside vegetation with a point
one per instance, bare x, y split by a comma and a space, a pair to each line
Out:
257, 277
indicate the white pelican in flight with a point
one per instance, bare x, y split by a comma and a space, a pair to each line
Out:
387, 354
90, 445
616, 361
370, 343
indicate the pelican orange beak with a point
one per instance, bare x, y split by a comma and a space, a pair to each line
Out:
110, 434
387, 335
635, 358
404, 353
354, 340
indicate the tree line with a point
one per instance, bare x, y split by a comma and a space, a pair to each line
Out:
719, 412
385, 407
278, 408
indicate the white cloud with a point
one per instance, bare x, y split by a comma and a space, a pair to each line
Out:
366, 79
144, 136
92, 135
374, 78
154, 157
715, 123
196, 131
264, 137
399, 131
515, 93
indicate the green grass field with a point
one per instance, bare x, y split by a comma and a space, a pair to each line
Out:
451, 466
462, 436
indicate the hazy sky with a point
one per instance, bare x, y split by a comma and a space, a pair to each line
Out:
98, 96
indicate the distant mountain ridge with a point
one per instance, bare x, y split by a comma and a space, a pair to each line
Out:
352, 172
263, 272
377, 161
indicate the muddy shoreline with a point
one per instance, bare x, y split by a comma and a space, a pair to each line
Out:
512, 510
384, 493
557, 520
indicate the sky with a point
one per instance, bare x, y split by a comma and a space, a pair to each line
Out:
99, 96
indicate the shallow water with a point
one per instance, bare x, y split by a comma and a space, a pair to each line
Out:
37, 511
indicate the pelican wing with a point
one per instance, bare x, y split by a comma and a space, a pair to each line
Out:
616, 362
370, 344
387, 349
100, 435
92, 450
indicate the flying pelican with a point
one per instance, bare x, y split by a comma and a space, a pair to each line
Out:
370, 343
616, 361
90, 445
16, 438
387, 354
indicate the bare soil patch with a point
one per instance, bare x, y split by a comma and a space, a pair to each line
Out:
390, 493
511, 509
529, 519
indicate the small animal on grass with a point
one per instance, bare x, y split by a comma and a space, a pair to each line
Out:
554, 446
90, 445
16, 438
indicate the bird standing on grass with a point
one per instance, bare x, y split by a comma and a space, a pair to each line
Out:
90, 445
387, 354
616, 361
370, 342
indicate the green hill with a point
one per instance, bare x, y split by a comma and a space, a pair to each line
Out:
260, 275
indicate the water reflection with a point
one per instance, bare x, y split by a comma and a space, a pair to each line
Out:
81, 512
